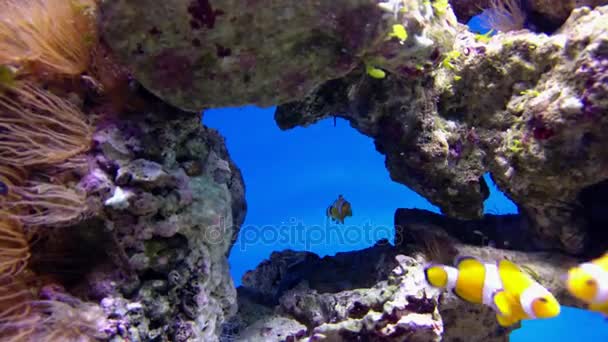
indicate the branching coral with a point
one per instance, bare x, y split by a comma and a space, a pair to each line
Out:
54, 34
505, 15
37, 127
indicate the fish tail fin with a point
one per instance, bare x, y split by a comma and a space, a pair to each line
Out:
601, 308
505, 321
436, 275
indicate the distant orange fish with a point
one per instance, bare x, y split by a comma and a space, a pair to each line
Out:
339, 210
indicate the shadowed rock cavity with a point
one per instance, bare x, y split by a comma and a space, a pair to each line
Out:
593, 207
541, 15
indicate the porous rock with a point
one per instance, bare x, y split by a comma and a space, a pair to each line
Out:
264, 54
528, 108
380, 294
156, 260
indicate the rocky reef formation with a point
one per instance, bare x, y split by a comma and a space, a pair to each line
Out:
265, 55
379, 294
527, 108
172, 202
119, 210
449, 107
164, 201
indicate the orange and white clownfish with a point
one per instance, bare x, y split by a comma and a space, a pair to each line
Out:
339, 210
502, 286
589, 283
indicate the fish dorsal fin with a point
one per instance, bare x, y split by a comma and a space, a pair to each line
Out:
508, 266
602, 261
465, 261
513, 278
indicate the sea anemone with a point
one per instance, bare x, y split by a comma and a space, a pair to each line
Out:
78, 321
38, 127
17, 319
505, 15
54, 35
14, 245
45, 204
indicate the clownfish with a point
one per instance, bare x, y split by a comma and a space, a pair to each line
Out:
589, 283
339, 210
524, 297
503, 286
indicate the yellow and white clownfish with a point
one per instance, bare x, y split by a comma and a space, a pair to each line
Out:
589, 283
524, 297
502, 286
339, 210
471, 280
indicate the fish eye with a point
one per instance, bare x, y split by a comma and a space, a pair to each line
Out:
543, 299
590, 282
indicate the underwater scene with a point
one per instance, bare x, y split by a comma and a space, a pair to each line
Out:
303, 171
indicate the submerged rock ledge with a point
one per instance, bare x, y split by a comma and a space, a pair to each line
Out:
379, 294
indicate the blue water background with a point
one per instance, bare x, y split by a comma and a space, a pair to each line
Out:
292, 176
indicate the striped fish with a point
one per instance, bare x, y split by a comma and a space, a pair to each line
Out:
502, 286
526, 298
339, 210
589, 283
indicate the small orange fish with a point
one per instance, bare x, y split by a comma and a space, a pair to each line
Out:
339, 210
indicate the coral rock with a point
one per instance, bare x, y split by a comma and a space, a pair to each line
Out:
528, 108
265, 55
